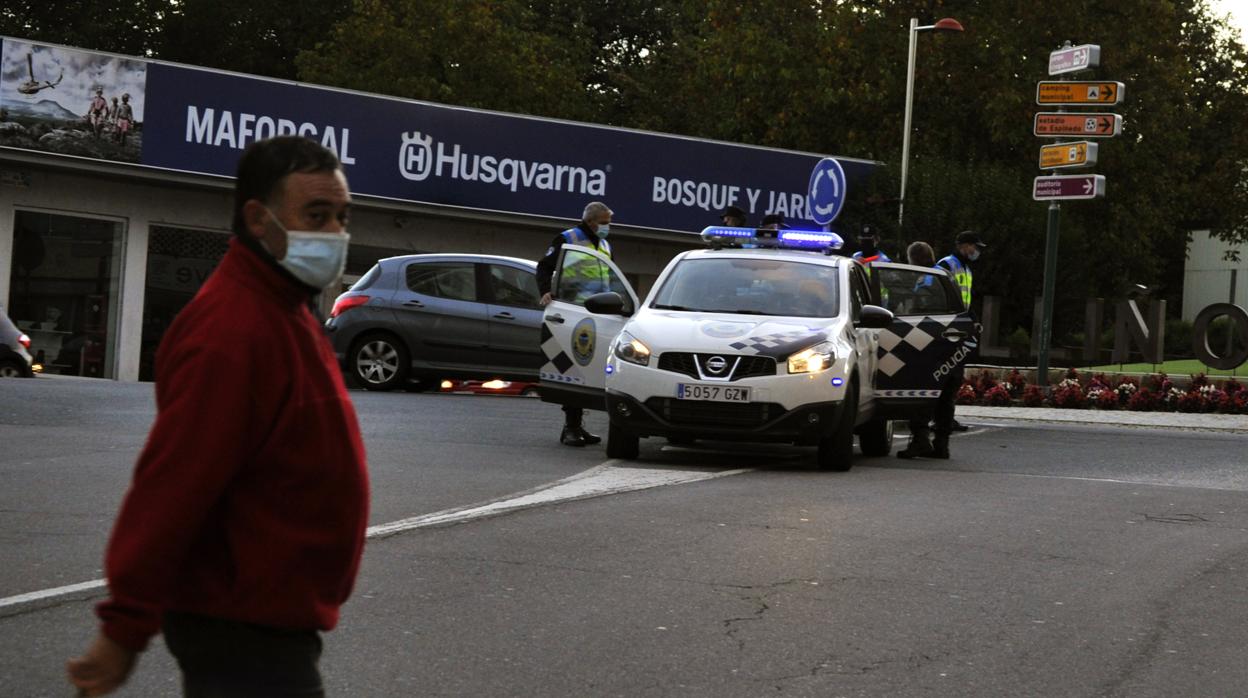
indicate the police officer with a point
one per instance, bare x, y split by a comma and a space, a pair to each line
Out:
967, 247
733, 217
920, 254
591, 232
869, 247
773, 221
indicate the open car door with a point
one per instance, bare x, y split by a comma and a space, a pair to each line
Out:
575, 341
932, 333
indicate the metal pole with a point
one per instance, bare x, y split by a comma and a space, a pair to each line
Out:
1050, 286
905, 137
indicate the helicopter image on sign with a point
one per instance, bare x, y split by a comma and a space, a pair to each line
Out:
32, 85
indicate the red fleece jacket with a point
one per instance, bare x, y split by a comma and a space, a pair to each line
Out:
250, 499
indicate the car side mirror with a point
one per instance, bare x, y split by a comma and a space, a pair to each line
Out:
608, 303
874, 317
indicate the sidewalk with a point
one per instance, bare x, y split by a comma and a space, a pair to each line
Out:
1174, 420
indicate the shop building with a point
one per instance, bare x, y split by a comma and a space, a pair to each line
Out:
113, 213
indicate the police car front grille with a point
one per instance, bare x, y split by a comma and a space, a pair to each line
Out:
687, 364
714, 414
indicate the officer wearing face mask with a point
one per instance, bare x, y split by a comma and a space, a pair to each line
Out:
967, 247
241, 533
591, 232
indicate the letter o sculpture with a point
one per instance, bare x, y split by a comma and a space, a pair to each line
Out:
1200, 336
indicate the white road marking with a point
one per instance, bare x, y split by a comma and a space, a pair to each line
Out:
599, 481
34, 596
595, 482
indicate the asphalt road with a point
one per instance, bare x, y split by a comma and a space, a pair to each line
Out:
1039, 561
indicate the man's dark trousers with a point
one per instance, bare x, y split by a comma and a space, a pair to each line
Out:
227, 659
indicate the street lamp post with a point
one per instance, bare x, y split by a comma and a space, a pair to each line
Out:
947, 24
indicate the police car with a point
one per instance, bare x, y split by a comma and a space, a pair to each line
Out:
764, 336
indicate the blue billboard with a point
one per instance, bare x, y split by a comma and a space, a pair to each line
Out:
198, 120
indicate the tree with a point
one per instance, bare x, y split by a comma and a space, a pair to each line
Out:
477, 53
246, 36
126, 26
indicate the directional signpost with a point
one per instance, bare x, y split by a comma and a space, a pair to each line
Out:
1056, 188
1068, 187
1086, 125
1067, 155
1085, 94
1072, 59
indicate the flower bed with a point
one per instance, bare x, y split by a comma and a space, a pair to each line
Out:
1101, 392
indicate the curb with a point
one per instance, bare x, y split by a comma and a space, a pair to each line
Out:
1230, 423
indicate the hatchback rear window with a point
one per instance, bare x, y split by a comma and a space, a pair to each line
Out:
368, 279
454, 280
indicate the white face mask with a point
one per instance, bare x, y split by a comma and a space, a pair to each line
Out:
604, 229
316, 259
973, 255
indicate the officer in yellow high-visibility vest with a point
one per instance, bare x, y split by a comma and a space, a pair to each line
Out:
967, 248
591, 232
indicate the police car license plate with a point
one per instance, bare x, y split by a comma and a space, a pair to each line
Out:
711, 393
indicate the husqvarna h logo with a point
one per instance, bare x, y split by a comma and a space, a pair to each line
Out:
416, 156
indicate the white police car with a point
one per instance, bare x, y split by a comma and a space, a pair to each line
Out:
765, 336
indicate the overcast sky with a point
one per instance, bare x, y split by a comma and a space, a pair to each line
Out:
1238, 10
83, 72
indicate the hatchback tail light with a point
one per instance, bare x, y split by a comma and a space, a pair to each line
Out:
345, 303
23, 340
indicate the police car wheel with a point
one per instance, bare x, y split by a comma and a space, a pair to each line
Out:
876, 438
10, 370
836, 451
379, 362
621, 444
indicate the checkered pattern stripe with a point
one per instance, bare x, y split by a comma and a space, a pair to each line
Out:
559, 367
904, 340
908, 393
768, 342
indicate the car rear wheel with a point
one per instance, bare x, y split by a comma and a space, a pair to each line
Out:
621, 444
876, 438
9, 369
379, 362
836, 452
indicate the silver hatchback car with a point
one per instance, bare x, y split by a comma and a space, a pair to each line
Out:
416, 319
15, 360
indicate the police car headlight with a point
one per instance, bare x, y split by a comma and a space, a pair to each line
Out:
813, 359
629, 348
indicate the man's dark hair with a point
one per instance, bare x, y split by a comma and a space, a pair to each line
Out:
266, 163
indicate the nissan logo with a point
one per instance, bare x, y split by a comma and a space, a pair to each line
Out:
716, 364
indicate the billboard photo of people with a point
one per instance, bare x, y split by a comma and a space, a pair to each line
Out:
71, 102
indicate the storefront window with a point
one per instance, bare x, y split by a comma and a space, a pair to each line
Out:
179, 260
65, 289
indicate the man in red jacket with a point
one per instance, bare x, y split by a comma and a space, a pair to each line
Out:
242, 530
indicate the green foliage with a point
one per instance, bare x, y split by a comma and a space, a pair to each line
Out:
823, 76
127, 26
262, 38
474, 53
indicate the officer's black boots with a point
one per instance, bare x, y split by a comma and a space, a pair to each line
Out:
940, 447
575, 435
920, 445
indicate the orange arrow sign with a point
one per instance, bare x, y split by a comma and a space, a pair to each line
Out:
1092, 93
1086, 125
1061, 155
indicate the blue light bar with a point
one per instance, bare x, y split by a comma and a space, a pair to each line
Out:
811, 239
722, 231
763, 237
